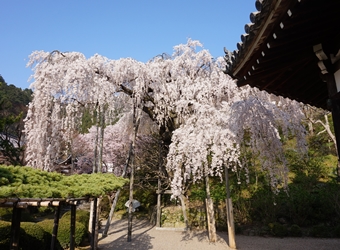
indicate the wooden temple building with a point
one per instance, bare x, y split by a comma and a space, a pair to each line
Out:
291, 48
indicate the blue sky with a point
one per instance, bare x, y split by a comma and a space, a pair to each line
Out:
114, 28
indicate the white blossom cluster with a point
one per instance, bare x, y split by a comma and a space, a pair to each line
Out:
210, 114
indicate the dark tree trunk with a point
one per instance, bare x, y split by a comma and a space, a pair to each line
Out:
114, 203
136, 120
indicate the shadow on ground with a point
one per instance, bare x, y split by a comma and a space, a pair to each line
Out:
145, 237
140, 238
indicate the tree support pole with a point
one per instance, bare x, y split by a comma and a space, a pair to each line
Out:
159, 195
230, 215
158, 218
210, 212
131, 204
112, 210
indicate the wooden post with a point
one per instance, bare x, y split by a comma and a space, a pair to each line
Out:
90, 219
97, 222
210, 212
15, 228
55, 227
94, 223
102, 127
158, 215
130, 206
112, 210
73, 226
158, 219
230, 216
95, 161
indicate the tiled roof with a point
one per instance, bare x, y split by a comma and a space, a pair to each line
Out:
276, 52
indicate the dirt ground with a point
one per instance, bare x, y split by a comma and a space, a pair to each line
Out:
145, 236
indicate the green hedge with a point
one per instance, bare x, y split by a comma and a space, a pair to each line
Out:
39, 235
34, 238
5, 234
64, 231
82, 216
6, 215
26, 182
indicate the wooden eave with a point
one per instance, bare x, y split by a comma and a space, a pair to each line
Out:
277, 53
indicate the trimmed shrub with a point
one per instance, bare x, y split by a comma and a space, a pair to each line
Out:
5, 234
6, 215
295, 231
82, 216
278, 230
64, 231
34, 237
320, 231
337, 231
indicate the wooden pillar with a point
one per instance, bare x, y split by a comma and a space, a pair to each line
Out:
159, 185
94, 224
55, 227
130, 215
15, 228
210, 212
73, 226
230, 215
158, 218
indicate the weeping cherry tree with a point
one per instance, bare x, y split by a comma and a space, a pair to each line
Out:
201, 114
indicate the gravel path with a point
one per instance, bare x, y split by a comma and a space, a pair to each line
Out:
145, 236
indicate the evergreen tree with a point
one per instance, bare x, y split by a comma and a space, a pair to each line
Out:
13, 107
